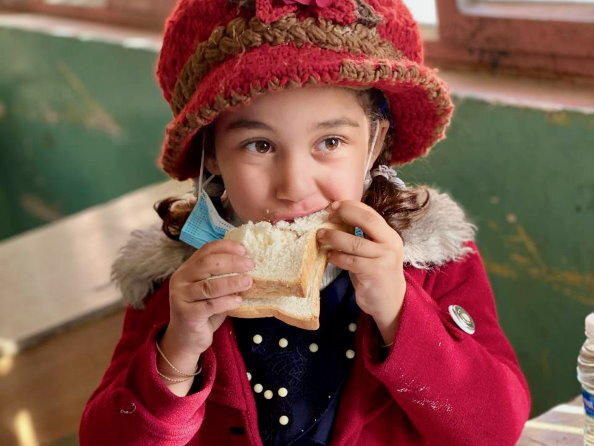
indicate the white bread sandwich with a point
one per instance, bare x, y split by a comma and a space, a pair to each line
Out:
289, 265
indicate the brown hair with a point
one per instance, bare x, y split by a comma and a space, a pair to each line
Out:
399, 207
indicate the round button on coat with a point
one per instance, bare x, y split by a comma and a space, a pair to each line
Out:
462, 318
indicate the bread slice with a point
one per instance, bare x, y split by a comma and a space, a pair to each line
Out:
302, 312
289, 266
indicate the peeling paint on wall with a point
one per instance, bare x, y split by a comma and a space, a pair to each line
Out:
93, 113
558, 118
525, 259
38, 208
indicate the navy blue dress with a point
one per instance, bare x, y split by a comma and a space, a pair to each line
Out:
297, 375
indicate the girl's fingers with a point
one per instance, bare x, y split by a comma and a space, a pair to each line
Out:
219, 305
223, 245
352, 263
355, 213
215, 264
217, 287
348, 243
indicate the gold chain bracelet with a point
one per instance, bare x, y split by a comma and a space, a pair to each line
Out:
174, 380
185, 375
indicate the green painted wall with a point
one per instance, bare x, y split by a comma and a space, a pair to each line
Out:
81, 123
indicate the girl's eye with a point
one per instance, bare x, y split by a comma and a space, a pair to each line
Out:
330, 144
258, 146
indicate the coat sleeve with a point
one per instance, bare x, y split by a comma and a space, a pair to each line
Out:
132, 406
453, 386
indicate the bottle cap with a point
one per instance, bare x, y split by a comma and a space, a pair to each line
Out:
590, 325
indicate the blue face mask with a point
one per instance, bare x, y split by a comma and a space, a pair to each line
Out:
204, 223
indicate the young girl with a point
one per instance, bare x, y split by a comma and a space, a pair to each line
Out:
296, 106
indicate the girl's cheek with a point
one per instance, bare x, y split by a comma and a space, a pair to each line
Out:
347, 186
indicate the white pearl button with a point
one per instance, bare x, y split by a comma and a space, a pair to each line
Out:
284, 420
313, 347
283, 342
258, 388
268, 394
350, 354
352, 327
282, 392
257, 339
249, 375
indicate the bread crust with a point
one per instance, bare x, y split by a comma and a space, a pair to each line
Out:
311, 323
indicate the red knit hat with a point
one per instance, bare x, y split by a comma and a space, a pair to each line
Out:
220, 54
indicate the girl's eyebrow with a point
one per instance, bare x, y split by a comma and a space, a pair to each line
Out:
251, 124
247, 124
339, 122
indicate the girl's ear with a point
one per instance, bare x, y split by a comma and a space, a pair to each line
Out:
379, 145
212, 166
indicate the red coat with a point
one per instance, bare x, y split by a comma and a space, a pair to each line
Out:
438, 385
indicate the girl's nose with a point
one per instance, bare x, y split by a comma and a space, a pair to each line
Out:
295, 179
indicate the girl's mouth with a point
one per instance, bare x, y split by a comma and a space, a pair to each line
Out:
290, 218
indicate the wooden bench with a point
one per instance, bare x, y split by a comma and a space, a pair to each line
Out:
60, 317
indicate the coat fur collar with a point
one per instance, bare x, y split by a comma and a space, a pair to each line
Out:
150, 256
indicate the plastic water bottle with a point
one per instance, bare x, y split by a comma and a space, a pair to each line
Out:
585, 375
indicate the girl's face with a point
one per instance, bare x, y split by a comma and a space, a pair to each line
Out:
291, 153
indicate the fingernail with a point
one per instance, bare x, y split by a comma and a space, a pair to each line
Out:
246, 280
249, 263
335, 205
238, 299
321, 233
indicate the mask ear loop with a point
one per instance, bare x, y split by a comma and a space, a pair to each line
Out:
358, 231
372, 149
202, 185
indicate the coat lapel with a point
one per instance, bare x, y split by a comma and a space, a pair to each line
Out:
231, 387
363, 396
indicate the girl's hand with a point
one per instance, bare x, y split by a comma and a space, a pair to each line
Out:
198, 305
375, 263
197, 302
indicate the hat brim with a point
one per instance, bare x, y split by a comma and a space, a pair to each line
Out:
419, 101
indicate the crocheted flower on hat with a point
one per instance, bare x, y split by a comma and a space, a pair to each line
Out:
344, 12
318, 3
